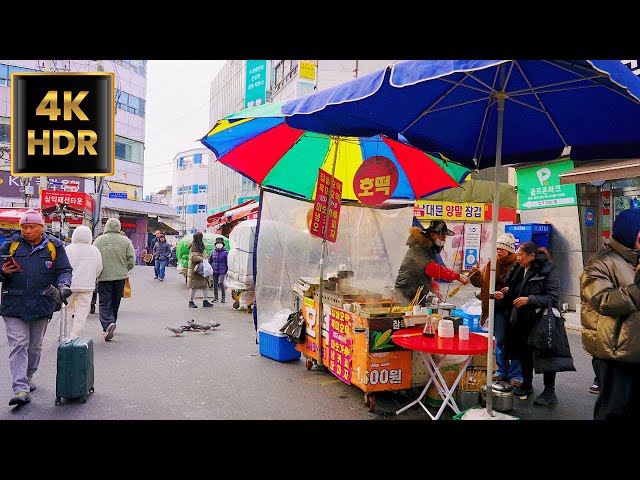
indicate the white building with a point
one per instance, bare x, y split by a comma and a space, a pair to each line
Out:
190, 182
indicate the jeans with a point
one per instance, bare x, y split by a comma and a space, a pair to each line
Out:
109, 296
25, 348
506, 368
160, 266
218, 280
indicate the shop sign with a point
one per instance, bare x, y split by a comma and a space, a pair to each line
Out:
454, 211
340, 351
310, 346
81, 200
375, 180
256, 83
590, 217
118, 195
539, 187
307, 69
322, 207
472, 234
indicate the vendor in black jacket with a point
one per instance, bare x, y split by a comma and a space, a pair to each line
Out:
420, 267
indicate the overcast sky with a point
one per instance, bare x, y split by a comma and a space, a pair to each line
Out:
177, 114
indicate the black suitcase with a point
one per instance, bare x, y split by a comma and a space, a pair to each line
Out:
74, 378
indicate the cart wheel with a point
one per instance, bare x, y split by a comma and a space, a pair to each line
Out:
92, 390
308, 364
83, 399
236, 305
58, 400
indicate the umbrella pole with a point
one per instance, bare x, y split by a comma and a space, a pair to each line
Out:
494, 256
324, 249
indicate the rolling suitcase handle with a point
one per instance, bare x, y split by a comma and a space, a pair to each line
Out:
62, 334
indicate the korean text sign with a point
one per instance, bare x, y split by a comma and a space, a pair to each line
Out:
322, 207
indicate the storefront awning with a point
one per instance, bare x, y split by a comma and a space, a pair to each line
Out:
246, 209
153, 225
598, 171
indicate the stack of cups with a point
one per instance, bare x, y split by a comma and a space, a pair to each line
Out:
463, 332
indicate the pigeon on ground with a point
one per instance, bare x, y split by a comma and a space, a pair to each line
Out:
177, 331
213, 324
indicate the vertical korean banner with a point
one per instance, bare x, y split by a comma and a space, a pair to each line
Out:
322, 207
256, 83
340, 344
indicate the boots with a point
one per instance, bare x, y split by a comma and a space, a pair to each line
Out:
192, 304
547, 397
205, 303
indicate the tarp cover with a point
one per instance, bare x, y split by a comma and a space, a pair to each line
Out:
240, 258
371, 242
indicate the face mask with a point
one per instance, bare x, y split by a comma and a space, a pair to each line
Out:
219, 245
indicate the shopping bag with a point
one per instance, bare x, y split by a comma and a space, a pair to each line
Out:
207, 269
126, 293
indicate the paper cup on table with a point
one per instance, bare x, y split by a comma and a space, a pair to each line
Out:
463, 332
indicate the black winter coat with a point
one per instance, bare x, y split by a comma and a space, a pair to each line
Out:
411, 275
541, 285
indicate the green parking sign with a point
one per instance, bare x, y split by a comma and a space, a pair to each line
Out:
539, 187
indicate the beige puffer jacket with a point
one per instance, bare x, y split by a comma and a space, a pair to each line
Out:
611, 304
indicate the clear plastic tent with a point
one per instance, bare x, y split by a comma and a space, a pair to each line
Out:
370, 242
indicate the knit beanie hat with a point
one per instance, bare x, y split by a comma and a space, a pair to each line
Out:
31, 216
626, 227
507, 242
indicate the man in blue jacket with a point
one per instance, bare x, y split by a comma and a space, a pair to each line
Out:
32, 260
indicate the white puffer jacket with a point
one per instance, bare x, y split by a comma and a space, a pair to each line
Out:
85, 259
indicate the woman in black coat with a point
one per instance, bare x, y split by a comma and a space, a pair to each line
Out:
532, 283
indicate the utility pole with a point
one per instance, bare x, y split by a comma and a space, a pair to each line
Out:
98, 183
44, 181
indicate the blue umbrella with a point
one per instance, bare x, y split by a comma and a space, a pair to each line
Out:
485, 113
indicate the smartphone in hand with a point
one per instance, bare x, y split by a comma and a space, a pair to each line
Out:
11, 261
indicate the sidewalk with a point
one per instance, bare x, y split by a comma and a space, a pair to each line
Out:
572, 321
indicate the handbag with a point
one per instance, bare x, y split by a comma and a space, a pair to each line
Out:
550, 344
126, 293
294, 327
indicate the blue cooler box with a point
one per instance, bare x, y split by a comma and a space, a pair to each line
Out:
276, 346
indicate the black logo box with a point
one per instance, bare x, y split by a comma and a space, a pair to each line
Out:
27, 93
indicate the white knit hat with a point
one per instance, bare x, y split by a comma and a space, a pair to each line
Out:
507, 241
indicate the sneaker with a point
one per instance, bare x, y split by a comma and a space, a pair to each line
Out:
32, 385
516, 382
547, 397
497, 377
214, 300
155, 278
20, 398
222, 301
522, 391
108, 334
192, 304
161, 279
205, 303
595, 388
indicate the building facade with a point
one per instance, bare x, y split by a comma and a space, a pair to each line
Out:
191, 181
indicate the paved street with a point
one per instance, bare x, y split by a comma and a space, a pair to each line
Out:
147, 373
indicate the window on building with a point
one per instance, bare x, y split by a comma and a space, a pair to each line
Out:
193, 208
129, 150
5, 133
283, 72
195, 188
130, 103
197, 158
202, 189
202, 209
7, 70
247, 184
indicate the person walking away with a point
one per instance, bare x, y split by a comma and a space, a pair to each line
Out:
531, 285
610, 318
86, 261
218, 261
161, 253
506, 369
157, 234
194, 281
40, 261
118, 259
420, 268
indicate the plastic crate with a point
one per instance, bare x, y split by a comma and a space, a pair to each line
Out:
277, 347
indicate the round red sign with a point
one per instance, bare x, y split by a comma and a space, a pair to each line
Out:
375, 180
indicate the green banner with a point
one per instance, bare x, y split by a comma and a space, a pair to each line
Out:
539, 187
256, 84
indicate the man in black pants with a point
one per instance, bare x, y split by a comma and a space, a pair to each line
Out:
157, 233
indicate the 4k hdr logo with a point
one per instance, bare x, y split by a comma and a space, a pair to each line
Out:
62, 124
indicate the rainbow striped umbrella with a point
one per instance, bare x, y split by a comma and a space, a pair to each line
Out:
257, 143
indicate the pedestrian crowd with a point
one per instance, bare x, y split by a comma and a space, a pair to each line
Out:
39, 273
